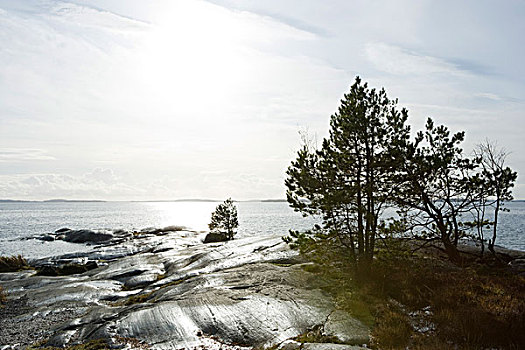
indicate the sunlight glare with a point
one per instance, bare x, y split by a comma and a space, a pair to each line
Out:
193, 47
193, 215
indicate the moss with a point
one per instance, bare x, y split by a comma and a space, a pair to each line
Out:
143, 298
134, 299
281, 264
315, 335
261, 347
176, 282
358, 305
313, 268
13, 263
134, 343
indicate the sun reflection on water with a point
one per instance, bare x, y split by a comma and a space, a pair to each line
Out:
194, 215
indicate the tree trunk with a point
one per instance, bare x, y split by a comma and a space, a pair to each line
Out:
494, 232
360, 228
452, 251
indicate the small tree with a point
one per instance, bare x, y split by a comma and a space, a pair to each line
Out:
224, 220
440, 185
498, 180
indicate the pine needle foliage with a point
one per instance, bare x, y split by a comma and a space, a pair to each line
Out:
224, 219
349, 181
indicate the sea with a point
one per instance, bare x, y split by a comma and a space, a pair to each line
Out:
19, 221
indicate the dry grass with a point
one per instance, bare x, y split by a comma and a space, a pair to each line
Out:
472, 306
393, 329
134, 299
424, 302
13, 263
132, 343
315, 335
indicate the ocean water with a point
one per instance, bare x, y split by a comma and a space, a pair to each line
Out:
20, 220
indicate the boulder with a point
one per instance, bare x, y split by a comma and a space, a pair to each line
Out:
518, 265
214, 237
62, 230
346, 328
47, 238
67, 269
86, 236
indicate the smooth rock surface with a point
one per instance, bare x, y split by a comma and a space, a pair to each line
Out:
171, 291
346, 328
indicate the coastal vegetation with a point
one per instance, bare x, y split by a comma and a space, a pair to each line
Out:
498, 181
421, 300
13, 263
369, 163
413, 275
224, 222
349, 180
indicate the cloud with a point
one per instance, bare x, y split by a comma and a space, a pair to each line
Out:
489, 96
97, 184
92, 17
23, 154
101, 175
286, 19
103, 183
396, 60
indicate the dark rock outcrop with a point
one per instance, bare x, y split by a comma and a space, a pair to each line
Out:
214, 237
67, 269
85, 236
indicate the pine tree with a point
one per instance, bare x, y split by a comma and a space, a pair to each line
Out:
224, 219
349, 180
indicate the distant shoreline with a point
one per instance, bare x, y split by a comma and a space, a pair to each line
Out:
194, 200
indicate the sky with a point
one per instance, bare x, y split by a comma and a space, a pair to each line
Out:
168, 99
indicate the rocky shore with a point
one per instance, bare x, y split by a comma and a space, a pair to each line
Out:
166, 289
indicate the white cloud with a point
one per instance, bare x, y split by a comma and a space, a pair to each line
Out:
91, 17
98, 184
103, 183
396, 60
23, 154
489, 96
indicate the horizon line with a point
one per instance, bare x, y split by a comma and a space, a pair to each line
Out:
58, 200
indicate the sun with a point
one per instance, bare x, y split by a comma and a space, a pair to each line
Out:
194, 48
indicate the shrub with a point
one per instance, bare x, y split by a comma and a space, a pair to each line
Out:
13, 263
393, 329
